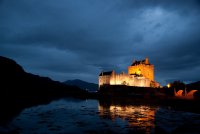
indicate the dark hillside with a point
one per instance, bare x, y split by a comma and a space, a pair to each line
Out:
19, 89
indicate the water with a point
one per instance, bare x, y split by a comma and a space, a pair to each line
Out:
92, 116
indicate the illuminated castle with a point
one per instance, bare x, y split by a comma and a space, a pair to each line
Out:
140, 74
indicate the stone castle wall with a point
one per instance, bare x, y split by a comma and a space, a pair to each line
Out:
104, 80
146, 70
124, 79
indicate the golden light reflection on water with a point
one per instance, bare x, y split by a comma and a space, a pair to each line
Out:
138, 117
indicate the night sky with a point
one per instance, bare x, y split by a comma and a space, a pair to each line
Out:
77, 39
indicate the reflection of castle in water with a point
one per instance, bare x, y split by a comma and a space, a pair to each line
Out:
139, 117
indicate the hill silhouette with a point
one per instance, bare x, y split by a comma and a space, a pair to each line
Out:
19, 89
82, 84
16, 82
195, 85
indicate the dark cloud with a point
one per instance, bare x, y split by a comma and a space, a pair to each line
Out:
78, 39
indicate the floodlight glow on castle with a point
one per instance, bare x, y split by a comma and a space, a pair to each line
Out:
140, 74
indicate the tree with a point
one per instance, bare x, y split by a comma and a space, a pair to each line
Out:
177, 85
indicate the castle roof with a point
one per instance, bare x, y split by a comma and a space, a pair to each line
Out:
145, 61
105, 73
138, 62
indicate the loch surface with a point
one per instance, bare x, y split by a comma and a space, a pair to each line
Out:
93, 116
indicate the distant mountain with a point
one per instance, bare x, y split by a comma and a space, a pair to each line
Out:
82, 84
195, 85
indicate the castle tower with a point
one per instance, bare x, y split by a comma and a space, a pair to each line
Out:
142, 67
146, 60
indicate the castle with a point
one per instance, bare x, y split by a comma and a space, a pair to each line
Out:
140, 74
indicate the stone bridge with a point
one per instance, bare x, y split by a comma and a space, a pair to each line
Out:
185, 95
